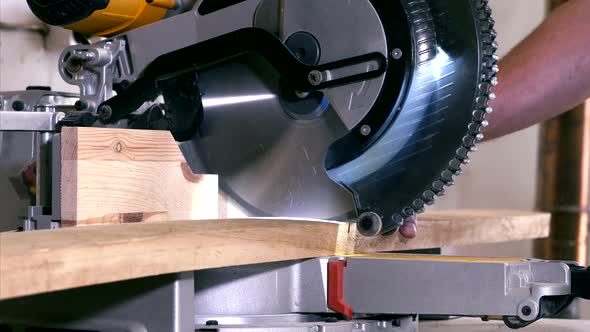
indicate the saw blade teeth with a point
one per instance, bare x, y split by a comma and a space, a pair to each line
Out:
448, 177
397, 219
455, 166
474, 128
468, 141
462, 153
485, 87
408, 213
479, 115
488, 79
438, 187
418, 205
481, 102
428, 197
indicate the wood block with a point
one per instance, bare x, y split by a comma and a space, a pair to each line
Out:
129, 176
45, 261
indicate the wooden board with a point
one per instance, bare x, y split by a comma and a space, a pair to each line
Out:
44, 261
127, 176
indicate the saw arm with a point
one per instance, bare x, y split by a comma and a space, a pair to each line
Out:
368, 121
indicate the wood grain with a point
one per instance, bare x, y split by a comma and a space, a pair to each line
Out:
44, 261
128, 176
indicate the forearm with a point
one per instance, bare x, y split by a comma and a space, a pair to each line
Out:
546, 74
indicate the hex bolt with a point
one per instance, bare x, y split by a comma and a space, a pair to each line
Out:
105, 112
397, 54
81, 105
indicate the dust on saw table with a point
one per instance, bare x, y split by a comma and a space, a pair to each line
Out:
148, 227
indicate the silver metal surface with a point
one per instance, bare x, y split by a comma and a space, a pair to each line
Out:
457, 288
264, 290
247, 136
30, 121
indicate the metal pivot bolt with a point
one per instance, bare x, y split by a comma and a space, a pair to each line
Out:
526, 310
397, 54
105, 112
369, 224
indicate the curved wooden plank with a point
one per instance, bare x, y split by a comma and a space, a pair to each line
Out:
45, 261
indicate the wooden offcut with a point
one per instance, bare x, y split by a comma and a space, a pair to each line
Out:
45, 261
128, 176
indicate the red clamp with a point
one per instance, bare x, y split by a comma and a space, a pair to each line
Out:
336, 289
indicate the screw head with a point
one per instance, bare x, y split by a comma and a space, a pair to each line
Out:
397, 54
315, 77
365, 130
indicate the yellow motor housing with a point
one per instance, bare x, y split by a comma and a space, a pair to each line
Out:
121, 16
103, 17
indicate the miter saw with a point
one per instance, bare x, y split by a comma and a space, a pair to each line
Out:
361, 110
354, 110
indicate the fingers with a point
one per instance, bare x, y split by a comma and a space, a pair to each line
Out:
408, 229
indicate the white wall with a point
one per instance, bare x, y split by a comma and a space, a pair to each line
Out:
27, 58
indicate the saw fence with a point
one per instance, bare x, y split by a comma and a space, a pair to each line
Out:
140, 211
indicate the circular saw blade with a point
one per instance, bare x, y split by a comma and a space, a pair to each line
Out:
425, 119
